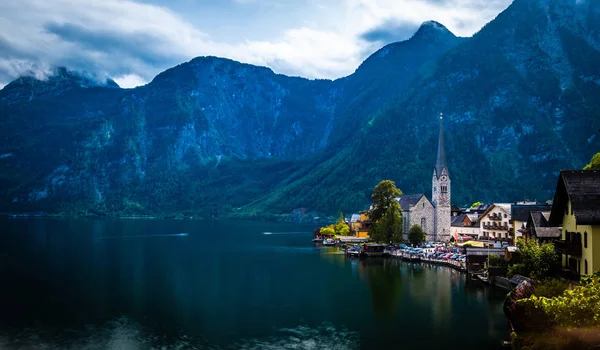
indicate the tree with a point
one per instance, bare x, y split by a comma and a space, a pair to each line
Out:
594, 163
416, 235
341, 228
389, 227
537, 261
384, 196
475, 205
328, 231
341, 218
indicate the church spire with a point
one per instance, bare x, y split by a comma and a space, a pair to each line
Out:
440, 162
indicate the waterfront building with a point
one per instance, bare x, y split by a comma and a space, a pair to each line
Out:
440, 191
494, 222
360, 224
417, 210
465, 227
576, 208
520, 213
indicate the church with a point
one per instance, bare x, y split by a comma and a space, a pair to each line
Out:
434, 217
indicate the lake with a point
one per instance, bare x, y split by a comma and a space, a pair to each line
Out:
175, 284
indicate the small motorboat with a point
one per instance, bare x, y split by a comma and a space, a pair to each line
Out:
353, 251
318, 240
329, 242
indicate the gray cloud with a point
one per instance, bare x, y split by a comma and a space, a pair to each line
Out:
134, 44
133, 41
389, 31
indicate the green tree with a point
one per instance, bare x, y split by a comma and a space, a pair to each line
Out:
328, 230
537, 261
342, 229
383, 197
416, 235
594, 163
341, 218
474, 205
389, 227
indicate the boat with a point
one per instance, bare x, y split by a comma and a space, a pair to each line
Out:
318, 240
329, 242
353, 251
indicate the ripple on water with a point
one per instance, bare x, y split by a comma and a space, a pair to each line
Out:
122, 334
306, 338
126, 334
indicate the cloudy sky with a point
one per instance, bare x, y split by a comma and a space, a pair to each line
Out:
132, 41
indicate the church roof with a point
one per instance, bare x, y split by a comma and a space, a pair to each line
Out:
582, 188
409, 200
440, 161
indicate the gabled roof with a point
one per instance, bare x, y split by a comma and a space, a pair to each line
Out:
409, 200
582, 188
520, 212
504, 207
355, 218
540, 227
459, 220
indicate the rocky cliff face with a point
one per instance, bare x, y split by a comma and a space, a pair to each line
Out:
214, 136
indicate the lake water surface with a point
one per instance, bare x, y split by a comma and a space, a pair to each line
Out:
135, 284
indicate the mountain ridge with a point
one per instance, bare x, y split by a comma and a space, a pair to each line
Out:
217, 137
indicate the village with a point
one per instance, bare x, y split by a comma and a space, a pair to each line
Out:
570, 222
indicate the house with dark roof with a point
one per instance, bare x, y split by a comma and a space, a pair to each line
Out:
576, 208
417, 210
464, 227
538, 226
519, 214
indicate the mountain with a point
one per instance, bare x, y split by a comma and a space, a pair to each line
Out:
520, 99
217, 137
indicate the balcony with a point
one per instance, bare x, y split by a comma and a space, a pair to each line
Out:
569, 274
567, 247
495, 217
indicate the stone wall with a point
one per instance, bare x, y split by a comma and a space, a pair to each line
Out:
422, 210
443, 217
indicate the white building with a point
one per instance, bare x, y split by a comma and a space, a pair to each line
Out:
495, 222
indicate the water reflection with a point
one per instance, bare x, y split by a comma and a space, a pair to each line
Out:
226, 283
385, 284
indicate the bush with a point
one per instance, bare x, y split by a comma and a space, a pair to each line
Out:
517, 269
577, 307
498, 261
550, 288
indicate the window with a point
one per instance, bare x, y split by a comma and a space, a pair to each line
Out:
586, 269
423, 205
585, 242
444, 189
424, 224
505, 216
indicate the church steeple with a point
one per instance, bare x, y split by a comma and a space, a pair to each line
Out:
440, 162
